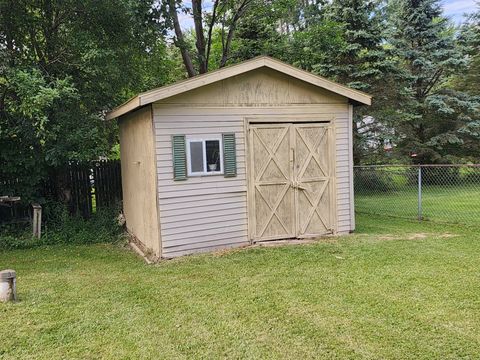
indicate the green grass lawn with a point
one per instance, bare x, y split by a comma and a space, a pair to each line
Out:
396, 290
456, 204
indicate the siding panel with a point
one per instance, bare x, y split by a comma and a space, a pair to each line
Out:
204, 212
201, 200
220, 211
210, 212
194, 237
227, 235
344, 163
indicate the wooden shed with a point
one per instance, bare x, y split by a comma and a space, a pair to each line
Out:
252, 152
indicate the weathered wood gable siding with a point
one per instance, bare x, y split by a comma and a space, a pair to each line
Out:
139, 183
261, 87
205, 213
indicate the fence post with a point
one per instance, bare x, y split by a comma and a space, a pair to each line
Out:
420, 193
37, 220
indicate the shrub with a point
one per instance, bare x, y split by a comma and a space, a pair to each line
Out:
372, 180
440, 175
470, 176
60, 228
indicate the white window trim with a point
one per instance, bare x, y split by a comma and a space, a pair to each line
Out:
191, 139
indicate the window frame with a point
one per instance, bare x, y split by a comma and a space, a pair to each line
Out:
203, 140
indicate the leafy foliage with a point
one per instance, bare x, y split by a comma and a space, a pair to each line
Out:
63, 65
469, 38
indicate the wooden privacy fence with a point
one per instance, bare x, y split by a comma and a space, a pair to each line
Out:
86, 187
95, 185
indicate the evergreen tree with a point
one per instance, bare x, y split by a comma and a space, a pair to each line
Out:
367, 64
469, 80
438, 122
344, 41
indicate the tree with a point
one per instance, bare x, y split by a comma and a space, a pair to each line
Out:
438, 121
364, 62
469, 80
294, 31
63, 64
225, 14
256, 35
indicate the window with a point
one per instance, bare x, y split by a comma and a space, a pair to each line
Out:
204, 156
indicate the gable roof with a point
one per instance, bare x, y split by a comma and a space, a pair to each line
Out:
223, 73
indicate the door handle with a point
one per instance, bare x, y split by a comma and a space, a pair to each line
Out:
296, 185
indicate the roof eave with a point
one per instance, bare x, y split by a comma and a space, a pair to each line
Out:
319, 81
234, 70
126, 107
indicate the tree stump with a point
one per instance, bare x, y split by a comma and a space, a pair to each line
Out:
8, 286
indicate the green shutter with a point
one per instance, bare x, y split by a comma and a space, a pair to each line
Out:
229, 155
179, 157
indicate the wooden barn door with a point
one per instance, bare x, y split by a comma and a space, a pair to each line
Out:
291, 181
271, 188
314, 184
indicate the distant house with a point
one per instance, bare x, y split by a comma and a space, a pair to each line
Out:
252, 152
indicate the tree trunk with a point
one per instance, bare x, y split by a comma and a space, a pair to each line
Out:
180, 41
200, 43
210, 30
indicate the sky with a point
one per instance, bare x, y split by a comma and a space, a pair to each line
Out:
454, 9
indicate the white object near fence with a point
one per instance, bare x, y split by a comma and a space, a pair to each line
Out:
8, 286
37, 220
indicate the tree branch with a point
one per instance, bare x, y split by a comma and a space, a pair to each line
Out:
38, 51
210, 30
180, 41
237, 15
200, 37
432, 82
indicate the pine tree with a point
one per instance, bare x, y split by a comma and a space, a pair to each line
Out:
365, 63
469, 80
438, 121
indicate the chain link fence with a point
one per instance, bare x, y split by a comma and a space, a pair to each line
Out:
441, 193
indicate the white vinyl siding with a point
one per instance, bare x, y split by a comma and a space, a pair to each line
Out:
210, 212
343, 169
204, 212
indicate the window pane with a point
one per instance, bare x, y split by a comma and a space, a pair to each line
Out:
213, 155
196, 156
